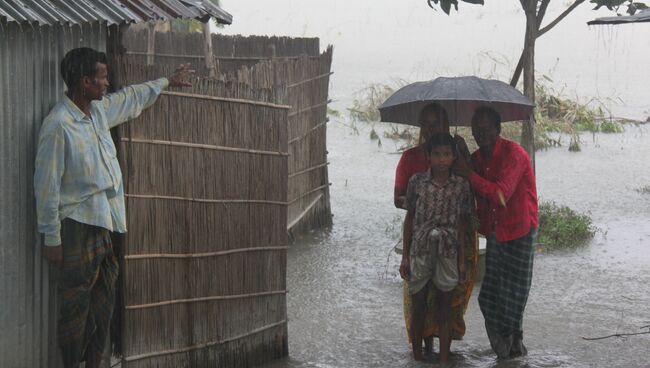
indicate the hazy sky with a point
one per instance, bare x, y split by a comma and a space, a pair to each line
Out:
383, 40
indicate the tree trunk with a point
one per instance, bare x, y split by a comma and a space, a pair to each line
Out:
528, 132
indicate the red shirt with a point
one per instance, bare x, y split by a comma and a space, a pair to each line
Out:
510, 173
413, 161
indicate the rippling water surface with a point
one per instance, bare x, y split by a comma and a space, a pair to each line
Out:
345, 299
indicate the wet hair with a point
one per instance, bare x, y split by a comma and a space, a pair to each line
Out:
440, 140
493, 116
79, 63
434, 108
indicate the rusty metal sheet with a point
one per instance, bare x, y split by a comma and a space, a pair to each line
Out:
640, 17
49, 12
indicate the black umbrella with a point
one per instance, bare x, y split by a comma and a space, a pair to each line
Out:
460, 96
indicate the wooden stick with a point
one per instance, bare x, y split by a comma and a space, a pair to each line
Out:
616, 335
312, 130
226, 99
265, 57
310, 80
308, 170
201, 255
203, 146
204, 345
308, 193
165, 55
204, 299
308, 108
304, 213
204, 200
252, 58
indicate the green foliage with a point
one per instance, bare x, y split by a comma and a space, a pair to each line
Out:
186, 25
574, 145
373, 134
375, 137
565, 115
570, 116
615, 5
446, 5
562, 227
611, 127
365, 106
406, 133
631, 6
334, 113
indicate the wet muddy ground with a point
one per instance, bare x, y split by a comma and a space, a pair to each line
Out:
345, 298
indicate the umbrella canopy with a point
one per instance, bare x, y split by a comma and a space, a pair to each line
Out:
460, 96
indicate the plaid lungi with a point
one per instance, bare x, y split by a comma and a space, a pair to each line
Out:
87, 291
504, 291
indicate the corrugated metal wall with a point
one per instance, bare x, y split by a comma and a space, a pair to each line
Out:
29, 86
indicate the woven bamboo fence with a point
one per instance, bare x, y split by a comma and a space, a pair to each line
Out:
263, 62
308, 82
204, 261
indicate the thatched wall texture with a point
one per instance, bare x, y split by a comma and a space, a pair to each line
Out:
204, 261
264, 62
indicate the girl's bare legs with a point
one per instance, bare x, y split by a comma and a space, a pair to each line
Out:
428, 344
444, 323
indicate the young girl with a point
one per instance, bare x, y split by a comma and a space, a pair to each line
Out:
438, 205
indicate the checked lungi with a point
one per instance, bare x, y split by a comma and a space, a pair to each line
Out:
504, 292
87, 291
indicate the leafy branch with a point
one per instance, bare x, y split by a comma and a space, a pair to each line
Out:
446, 5
615, 5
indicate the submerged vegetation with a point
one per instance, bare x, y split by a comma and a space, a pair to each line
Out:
562, 227
643, 190
365, 107
558, 120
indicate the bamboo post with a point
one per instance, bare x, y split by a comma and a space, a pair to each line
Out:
207, 49
151, 42
271, 51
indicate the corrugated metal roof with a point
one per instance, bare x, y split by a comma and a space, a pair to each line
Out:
640, 17
112, 11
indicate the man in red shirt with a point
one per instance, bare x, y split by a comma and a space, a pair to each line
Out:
504, 185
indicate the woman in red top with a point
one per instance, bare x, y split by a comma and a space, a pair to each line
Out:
433, 119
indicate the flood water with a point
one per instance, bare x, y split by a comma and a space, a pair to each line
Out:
345, 299
345, 294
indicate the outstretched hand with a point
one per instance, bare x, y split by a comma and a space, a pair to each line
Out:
181, 76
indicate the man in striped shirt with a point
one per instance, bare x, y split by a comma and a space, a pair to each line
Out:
80, 196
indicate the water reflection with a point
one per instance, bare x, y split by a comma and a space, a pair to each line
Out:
345, 306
